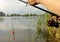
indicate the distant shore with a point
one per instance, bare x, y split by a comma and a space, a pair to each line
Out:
2, 14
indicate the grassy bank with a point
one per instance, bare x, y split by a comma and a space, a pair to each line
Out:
50, 34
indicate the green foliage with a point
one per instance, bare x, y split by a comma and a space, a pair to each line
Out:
48, 33
22, 15
2, 14
30, 15
15, 15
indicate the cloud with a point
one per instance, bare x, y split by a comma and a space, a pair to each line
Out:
15, 6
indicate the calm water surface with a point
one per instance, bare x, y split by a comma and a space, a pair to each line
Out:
24, 27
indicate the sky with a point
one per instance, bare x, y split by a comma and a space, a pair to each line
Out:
15, 6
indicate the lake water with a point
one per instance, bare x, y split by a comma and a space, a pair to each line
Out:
24, 28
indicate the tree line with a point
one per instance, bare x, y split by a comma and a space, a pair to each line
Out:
3, 14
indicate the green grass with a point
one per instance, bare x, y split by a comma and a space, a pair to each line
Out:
48, 33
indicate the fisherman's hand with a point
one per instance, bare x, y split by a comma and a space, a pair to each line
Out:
33, 2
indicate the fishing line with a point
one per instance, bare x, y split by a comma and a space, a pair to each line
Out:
40, 8
53, 14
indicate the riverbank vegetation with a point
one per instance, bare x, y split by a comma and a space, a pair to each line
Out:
22, 15
49, 34
9, 15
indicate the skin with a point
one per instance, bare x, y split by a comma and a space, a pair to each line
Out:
52, 5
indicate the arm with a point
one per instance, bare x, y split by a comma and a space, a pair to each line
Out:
53, 5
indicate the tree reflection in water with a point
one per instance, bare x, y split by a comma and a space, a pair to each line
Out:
2, 19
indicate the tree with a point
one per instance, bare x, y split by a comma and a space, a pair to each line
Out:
2, 14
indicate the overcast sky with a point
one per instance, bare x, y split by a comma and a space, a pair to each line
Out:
15, 6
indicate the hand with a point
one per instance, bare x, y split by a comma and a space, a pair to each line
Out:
32, 2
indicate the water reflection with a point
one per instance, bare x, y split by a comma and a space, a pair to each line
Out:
2, 19
24, 27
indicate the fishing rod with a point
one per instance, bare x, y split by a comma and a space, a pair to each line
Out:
40, 8
53, 14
